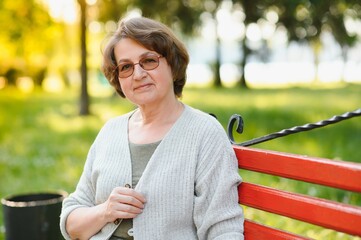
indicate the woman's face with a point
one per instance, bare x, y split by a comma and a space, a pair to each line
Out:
143, 87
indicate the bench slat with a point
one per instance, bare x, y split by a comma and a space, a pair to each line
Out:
338, 174
253, 230
340, 217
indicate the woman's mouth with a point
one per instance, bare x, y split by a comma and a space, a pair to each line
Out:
142, 87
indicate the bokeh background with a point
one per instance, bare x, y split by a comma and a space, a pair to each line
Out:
279, 64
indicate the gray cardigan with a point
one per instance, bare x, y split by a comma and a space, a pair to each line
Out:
190, 182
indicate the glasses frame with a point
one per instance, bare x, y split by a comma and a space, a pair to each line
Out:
139, 63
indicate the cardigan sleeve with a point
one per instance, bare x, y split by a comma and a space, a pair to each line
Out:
217, 214
83, 196
88, 193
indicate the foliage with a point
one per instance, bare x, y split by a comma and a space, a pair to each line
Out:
25, 39
43, 142
305, 21
181, 15
31, 42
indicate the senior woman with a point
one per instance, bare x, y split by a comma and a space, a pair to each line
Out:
163, 171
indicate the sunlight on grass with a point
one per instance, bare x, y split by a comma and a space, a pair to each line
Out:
53, 83
25, 84
63, 124
3, 82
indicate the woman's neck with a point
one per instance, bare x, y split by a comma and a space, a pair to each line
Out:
151, 124
168, 111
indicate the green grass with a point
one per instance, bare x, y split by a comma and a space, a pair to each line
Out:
43, 143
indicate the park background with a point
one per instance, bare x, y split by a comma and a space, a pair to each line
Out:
277, 63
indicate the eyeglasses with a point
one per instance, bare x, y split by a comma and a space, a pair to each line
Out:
149, 62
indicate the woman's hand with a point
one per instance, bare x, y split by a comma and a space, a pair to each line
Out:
123, 203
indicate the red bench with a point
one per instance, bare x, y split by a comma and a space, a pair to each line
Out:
321, 212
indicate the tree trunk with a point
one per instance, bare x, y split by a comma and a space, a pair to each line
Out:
246, 51
316, 46
217, 64
84, 96
344, 59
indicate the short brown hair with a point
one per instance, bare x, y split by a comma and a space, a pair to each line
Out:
154, 36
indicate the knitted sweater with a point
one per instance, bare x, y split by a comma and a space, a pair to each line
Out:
190, 182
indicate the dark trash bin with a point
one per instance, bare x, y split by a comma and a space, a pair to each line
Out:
33, 216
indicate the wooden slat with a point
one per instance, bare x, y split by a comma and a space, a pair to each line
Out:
256, 231
329, 214
338, 174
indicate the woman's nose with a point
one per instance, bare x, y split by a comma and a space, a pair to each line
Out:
139, 72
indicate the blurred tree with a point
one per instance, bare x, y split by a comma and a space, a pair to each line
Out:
211, 7
84, 95
182, 16
111, 10
336, 17
26, 34
253, 10
305, 20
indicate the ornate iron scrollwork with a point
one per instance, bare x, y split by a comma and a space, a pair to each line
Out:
309, 126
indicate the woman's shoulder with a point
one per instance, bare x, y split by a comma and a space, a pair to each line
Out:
203, 118
115, 124
202, 123
207, 128
117, 120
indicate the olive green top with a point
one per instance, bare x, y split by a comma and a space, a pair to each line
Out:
140, 155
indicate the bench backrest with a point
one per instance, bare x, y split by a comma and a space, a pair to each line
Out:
325, 213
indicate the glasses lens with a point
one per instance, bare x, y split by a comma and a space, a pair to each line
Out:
125, 69
149, 62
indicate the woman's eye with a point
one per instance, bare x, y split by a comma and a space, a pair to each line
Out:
125, 67
149, 60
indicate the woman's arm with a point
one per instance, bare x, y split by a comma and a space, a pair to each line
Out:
84, 222
217, 213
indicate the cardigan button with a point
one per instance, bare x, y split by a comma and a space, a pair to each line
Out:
127, 185
131, 232
116, 222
